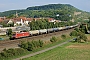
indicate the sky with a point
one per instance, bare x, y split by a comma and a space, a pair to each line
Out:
6, 5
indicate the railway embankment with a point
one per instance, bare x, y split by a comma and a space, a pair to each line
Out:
14, 43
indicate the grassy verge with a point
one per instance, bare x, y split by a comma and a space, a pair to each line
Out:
70, 51
4, 36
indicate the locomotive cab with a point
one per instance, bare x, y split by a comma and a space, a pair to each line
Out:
20, 34
13, 35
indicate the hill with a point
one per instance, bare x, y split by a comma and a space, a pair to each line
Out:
65, 11
52, 6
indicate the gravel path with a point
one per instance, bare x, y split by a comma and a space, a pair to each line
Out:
41, 51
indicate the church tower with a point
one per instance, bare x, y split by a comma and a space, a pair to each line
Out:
16, 14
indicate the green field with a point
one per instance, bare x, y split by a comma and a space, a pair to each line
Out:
70, 51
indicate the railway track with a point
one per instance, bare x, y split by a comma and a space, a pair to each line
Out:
14, 43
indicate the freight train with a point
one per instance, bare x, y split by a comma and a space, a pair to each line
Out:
20, 34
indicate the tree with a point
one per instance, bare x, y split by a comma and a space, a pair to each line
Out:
81, 36
89, 20
11, 16
11, 24
9, 33
83, 28
4, 23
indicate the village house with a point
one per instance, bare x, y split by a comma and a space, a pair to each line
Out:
2, 18
24, 21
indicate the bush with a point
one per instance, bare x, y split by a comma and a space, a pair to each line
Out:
73, 33
77, 29
40, 43
20, 51
4, 54
11, 53
82, 36
63, 36
53, 39
24, 45
35, 44
31, 45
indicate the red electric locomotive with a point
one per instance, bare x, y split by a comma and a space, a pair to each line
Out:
20, 34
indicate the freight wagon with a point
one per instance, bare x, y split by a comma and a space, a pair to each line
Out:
42, 31
34, 32
60, 28
55, 29
50, 30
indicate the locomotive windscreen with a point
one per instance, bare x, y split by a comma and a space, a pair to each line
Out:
14, 33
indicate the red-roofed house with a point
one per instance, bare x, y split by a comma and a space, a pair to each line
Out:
2, 18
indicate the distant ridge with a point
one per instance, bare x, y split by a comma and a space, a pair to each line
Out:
43, 7
50, 6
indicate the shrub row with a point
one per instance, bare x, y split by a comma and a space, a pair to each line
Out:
11, 53
30, 46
